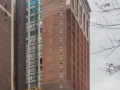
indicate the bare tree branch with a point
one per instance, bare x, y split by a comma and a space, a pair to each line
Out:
111, 68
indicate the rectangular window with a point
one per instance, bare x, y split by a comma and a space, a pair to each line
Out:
5, 6
61, 12
27, 5
60, 3
40, 7
34, 17
33, 54
33, 77
26, 12
33, 62
61, 39
61, 47
61, 65
84, 22
26, 42
40, 1
33, 84
40, 15
34, 69
40, 30
5, 22
33, 2
5, 14
26, 34
61, 21
61, 30
33, 10
61, 56
40, 60
34, 32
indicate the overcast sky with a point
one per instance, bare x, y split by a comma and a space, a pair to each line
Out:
101, 80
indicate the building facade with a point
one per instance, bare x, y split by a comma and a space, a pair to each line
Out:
19, 44
6, 45
12, 45
65, 42
33, 43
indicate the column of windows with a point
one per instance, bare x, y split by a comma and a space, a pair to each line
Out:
34, 16
61, 47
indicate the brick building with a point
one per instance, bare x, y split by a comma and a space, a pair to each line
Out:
12, 45
6, 45
65, 40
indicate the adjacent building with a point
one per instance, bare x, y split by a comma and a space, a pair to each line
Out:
6, 45
12, 45
65, 40
33, 43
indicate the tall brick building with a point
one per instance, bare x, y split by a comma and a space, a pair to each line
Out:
12, 45
65, 40
6, 45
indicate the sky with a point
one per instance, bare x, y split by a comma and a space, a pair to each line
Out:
100, 80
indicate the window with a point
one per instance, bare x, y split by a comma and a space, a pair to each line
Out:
61, 47
40, 7
32, 85
61, 39
34, 17
40, 1
40, 30
34, 32
41, 52
87, 32
33, 77
33, 47
26, 48
34, 69
26, 34
33, 10
61, 65
26, 42
40, 15
27, 5
61, 30
40, 38
40, 23
5, 14
33, 25
60, 3
40, 60
61, 12
41, 68
33, 2
61, 56
33, 62
26, 12
80, 14
41, 45
5, 22
61, 75
40, 83
32, 40
84, 22
61, 21
33, 54
5, 6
